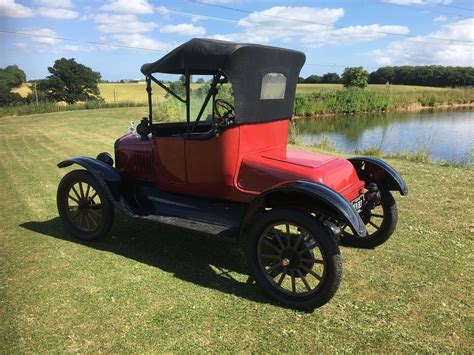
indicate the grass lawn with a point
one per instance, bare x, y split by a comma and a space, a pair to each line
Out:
152, 288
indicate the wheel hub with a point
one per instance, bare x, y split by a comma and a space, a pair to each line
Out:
290, 259
84, 203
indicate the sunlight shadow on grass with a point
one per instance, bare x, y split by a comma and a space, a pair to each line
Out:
207, 262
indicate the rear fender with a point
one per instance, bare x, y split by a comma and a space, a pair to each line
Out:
106, 175
309, 194
378, 171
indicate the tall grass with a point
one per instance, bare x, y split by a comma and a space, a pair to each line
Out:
317, 101
354, 100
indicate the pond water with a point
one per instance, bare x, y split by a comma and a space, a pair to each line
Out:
444, 135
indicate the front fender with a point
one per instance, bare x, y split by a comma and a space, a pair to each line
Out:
310, 194
107, 176
378, 171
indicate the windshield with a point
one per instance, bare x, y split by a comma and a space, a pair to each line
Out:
168, 108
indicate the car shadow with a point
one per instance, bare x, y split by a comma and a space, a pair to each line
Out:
187, 255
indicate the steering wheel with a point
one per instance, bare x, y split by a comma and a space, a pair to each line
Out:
224, 111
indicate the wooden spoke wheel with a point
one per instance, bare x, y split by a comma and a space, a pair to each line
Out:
84, 206
380, 222
294, 258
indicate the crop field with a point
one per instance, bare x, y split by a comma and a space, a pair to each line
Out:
150, 288
135, 92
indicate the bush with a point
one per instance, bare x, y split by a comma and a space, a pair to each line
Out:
355, 77
7, 97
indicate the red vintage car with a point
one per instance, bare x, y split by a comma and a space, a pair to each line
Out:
232, 175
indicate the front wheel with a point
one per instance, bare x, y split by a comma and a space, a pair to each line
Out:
83, 205
294, 259
380, 222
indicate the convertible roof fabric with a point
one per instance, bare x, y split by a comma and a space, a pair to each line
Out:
198, 56
245, 65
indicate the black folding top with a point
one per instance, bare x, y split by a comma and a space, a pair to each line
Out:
245, 65
198, 56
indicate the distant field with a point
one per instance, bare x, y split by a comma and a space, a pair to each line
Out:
129, 92
24, 90
135, 92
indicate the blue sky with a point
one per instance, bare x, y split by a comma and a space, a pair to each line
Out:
333, 34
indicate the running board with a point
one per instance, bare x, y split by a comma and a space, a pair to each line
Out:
208, 229
209, 216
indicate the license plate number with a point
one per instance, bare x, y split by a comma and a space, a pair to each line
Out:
358, 203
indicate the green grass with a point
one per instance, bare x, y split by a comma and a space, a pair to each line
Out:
149, 288
311, 99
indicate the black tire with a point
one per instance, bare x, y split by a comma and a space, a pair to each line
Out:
294, 261
84, 207
388, 210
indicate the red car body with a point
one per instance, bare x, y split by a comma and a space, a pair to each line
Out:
237, 165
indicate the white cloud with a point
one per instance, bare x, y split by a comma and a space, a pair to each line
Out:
422, 50
351, 34
11, 9
49, 43
57, 14
440, 19
107, 23
219, 2
62, 4
263, 26
49, 33
419, 2
141, 41
128, 6
184, 29
39, 44
313, 27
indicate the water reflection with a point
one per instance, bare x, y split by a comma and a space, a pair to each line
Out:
445, 135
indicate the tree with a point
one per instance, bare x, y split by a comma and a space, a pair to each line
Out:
312, 79
12, 76
355, 77
182, 78
7, 97
200, 81
331, 78
71, 82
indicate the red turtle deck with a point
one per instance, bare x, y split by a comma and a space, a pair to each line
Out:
232, 175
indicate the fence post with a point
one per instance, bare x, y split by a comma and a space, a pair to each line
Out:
36, 93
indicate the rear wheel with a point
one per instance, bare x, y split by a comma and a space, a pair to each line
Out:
380, 222
294, 258
83, 205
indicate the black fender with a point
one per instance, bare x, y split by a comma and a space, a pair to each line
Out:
107, 176
378, 171
327, 200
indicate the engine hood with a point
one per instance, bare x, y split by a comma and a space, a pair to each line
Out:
260, 171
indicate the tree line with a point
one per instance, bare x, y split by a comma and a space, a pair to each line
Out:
420, 75
428, 75
71, 82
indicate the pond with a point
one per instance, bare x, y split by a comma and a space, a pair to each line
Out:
444, 135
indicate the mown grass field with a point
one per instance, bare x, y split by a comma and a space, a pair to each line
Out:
152, 288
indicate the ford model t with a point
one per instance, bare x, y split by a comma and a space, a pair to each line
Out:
231, 175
